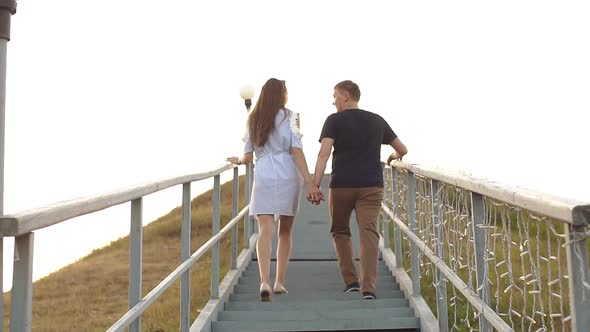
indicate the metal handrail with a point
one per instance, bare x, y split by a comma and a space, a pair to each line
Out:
573, 214
142, 306
469, 294
27, 221
567, 210
21, 226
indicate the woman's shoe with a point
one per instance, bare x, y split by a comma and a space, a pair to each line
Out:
265, 292
279, 289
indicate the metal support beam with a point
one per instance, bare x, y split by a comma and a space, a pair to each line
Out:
414, 229
185, 253
135, 259
247, 201
439, 278
214, 230
579, 276
385, 223
7, 9
385, 218
234, 232
253, 223
21, 300
483, 291
2, 282
397, 233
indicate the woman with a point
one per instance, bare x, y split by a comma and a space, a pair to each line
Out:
281, 170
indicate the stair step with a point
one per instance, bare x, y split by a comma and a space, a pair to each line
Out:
309, 274
306, 289
336, 283
318, 325
316, 305
253, 266
319, 295
317, 314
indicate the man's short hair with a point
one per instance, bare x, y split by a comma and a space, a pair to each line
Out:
352, 88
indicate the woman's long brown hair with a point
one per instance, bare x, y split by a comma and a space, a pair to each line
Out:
261, 121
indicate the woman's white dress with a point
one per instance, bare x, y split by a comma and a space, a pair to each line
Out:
277, 180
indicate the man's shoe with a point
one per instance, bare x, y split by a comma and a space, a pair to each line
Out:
369, 296
354, 287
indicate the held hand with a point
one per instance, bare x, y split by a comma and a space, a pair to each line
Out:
314, 199
320, 199
233, 160
314, 195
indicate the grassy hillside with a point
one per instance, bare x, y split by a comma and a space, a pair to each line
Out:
92, 293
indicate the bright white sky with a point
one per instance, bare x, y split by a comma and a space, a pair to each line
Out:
106, 94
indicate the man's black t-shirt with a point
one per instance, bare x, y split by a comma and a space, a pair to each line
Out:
358, 136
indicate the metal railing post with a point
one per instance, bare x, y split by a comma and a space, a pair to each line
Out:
439, 279
579, 275
185, 253
234, 232
254, 225
21, 299
477, 212
414, 228
385, 223
385, 218
397, 233
135, 259
2, 279
214, 230
247, 216
7, 9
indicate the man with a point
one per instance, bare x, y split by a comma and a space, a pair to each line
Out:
356, 183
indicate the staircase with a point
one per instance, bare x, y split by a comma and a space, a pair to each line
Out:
316, 302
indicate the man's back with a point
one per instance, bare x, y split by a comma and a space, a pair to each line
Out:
358, 136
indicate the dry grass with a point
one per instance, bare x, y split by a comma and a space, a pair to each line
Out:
92, 293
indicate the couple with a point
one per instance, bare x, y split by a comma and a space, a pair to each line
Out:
281, 170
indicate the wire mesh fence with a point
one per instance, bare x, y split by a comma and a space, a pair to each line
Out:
522, 260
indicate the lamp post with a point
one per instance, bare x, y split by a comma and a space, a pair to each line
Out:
247, 92
7, 9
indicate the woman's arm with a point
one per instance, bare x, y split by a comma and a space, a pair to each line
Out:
313, 192
301, 163
246, 159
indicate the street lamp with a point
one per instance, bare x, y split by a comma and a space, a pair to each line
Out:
247, 92
18, 305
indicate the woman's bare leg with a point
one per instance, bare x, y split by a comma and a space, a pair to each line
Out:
266, 227
283, 250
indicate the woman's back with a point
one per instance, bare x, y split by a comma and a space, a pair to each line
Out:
280, 139
277, 181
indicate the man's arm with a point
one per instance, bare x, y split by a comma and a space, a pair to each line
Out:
400, 150
323, 156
